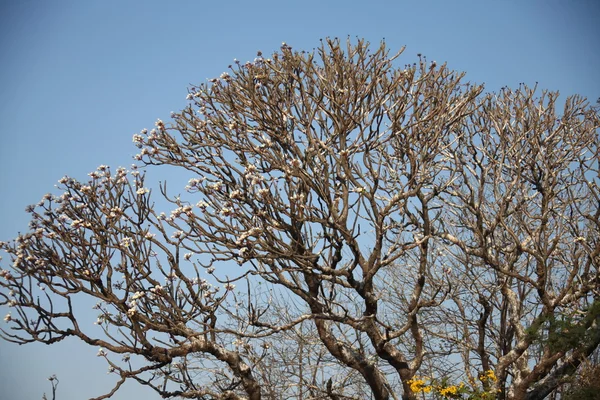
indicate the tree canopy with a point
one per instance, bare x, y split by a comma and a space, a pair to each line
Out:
351, 226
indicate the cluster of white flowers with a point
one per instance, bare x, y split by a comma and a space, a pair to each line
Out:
149, 235
101, 352
142, 191
193, 183
190, 96
297, 198
155, 291
245, 235
79, 223
226, 211
295, 163
7, 317
40, 263
153, 135
215, 186
5, 274
121, 175
132, 308
138, 140
18, 260
125, 242
202, 205
264, 192
257, 179
115, 212
66, 196
138, 295
182, 210
202, 283
236, 195
229, 286
252, 175
177, 234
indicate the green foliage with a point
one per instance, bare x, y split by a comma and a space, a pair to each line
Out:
564, 332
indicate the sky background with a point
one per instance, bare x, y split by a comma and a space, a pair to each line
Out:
79, 78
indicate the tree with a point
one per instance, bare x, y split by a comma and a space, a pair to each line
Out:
350, 226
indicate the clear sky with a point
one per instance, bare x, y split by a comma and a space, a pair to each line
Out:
79, 78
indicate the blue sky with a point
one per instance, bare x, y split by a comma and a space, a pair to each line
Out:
79, 78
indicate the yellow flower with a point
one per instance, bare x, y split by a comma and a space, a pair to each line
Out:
450, 390
417, 385
491, 375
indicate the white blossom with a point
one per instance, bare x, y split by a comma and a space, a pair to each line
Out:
156, 289
137, 295
76, 224
202, 205
226, 211
296, 163
138, 139
236, 194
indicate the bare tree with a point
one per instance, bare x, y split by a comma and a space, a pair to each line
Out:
349, 226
